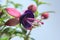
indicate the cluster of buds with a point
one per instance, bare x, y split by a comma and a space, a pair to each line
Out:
27, 19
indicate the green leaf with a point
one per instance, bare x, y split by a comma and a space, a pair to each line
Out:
4, 38
11, 2
4, 5
36, 1
6, 30
17, 32
1, 12
16, 5
49, 12
24, 31
36, 13
42, 3
39, 2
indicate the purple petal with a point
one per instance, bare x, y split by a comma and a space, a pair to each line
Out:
23, 18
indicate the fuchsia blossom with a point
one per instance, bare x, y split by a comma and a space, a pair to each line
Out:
23, 19
27, 20
13, 12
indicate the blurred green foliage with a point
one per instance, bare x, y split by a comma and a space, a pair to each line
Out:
39, 2
16, 5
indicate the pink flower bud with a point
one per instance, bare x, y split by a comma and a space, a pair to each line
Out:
13, 12
45, 15
12, 22
33, 8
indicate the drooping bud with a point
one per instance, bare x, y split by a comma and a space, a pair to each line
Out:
13, 12
45, 15
12, 22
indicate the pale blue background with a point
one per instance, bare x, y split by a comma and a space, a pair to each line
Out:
51, 28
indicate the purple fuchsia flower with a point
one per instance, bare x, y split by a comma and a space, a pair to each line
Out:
23, 19
27, 20
13, 12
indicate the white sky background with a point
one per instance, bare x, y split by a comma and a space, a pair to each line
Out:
51, 28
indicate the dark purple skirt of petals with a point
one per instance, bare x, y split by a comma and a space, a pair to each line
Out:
23, 19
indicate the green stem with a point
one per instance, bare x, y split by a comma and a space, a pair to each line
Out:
37, 1
1, 32
7, 3
27, 36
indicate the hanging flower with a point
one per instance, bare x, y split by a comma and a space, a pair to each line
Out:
23, 19
12, 22
13, 12
27, 20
